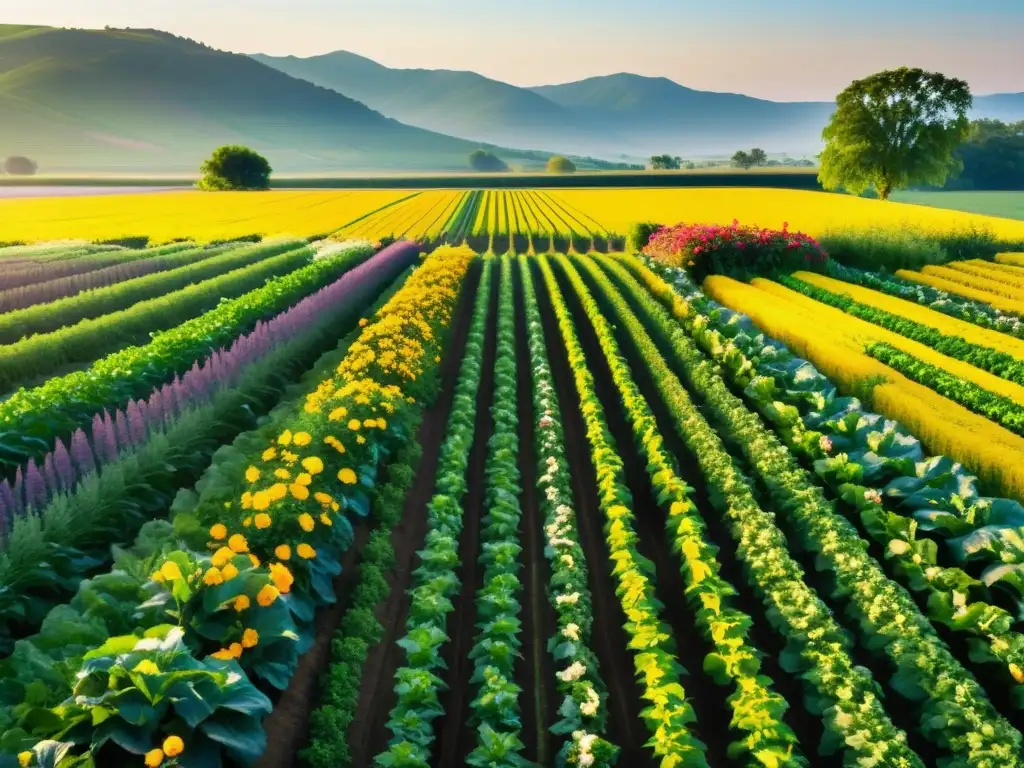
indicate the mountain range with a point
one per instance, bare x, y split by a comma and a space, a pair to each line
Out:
612, 115
123, 100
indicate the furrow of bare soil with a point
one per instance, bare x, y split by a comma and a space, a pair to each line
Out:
708, 699
535, 672
808, 728
368, 734
625, 727
454, 738
287, 726
902, 711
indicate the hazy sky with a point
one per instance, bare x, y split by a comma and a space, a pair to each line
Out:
778, 49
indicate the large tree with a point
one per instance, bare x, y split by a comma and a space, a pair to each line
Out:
482, 160
758, 156
742, 159
235, 167
894, 129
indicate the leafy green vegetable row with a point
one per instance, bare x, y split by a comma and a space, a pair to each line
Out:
359, 629
434, 581
999, 408
659, 672
876, 463
758, 711
46, 353
954, 711
31, 420
179, 271
496, 710
971, 311
48, 553
583, 712
1000, 363
105, 605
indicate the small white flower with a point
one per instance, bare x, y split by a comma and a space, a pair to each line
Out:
567, 561
571, 631
571, 599
873, 495
572, 673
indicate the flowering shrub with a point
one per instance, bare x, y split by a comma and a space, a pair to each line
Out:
741, 251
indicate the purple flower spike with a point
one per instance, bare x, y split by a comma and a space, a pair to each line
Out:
62, 464
81, 453
50, 475
124, 436
19, 491
136, 423
35, 487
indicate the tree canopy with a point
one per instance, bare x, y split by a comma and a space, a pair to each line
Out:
16, 165
894, 129
742, 159
235, 167
483, 160
992, 157
559, 164
665, 162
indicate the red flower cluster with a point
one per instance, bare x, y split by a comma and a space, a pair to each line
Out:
739, 250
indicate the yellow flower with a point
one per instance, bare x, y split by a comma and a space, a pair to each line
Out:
173, 746
338, 414
326, 519
241, 603
213, 577
362, 322
305, 551
300, 492
260, 500
360, 439
146, 667
223, 655
247, 521
154, 758
229, 571
269, 454
313, 465
252, 475
267, 595
381, 424
262, 520
222, 557
347, 476
219, 531
285, 438
170, 570
278, 491
254, 560
281, 577
157, 577
282, 474
306, 522
236, 650
247, 500
250, 638
303, 478
370, 423
283, 552
323, 498
303, 438
238, 543
354, 425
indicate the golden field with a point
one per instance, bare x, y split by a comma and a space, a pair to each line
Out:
812, 212
201, 216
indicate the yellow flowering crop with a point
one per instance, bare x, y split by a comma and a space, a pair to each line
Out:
1013, 259
981, 283
820, 334
960, 289
1001, 273
200, 217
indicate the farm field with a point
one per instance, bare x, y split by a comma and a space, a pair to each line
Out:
1009, 205
499, 493
536, 220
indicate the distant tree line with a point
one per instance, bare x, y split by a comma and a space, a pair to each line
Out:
992, 157
484, 160
17, 165
745, 160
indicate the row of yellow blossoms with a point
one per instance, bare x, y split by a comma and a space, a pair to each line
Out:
267, 539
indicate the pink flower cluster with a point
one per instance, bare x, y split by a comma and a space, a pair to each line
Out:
739, 250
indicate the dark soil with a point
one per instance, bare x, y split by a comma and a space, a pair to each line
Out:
368, 734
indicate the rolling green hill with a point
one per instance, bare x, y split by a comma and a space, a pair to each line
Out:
463, 104
127, 100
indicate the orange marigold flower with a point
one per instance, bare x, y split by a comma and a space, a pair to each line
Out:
252, 475
241, 603
347, 476
305, 551
154, 758
300, 492
260, 500
238, 543
306, 522
285, 438
250, 638
323, 498
219, 531
283, 552
229, 571
269, 454
222, 556
213, 577
173, 746
354, 425
282, 474
313, 464
281, 577
326, 519
262, 520
267, 595
278, 491
303, 438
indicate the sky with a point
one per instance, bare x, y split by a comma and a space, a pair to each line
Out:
788, 50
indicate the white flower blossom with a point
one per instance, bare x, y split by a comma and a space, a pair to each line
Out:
572, 673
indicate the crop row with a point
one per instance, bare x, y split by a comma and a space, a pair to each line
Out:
435, 582
960, 289
1007, 288
583, 712
76, 262
757, 711
33, 419
979, 313
651, 643
108, 485
229, 595
870, 462
954, 711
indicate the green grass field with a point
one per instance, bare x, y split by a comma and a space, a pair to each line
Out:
1009, 205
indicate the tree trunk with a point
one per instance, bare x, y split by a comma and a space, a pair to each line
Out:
885, 190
